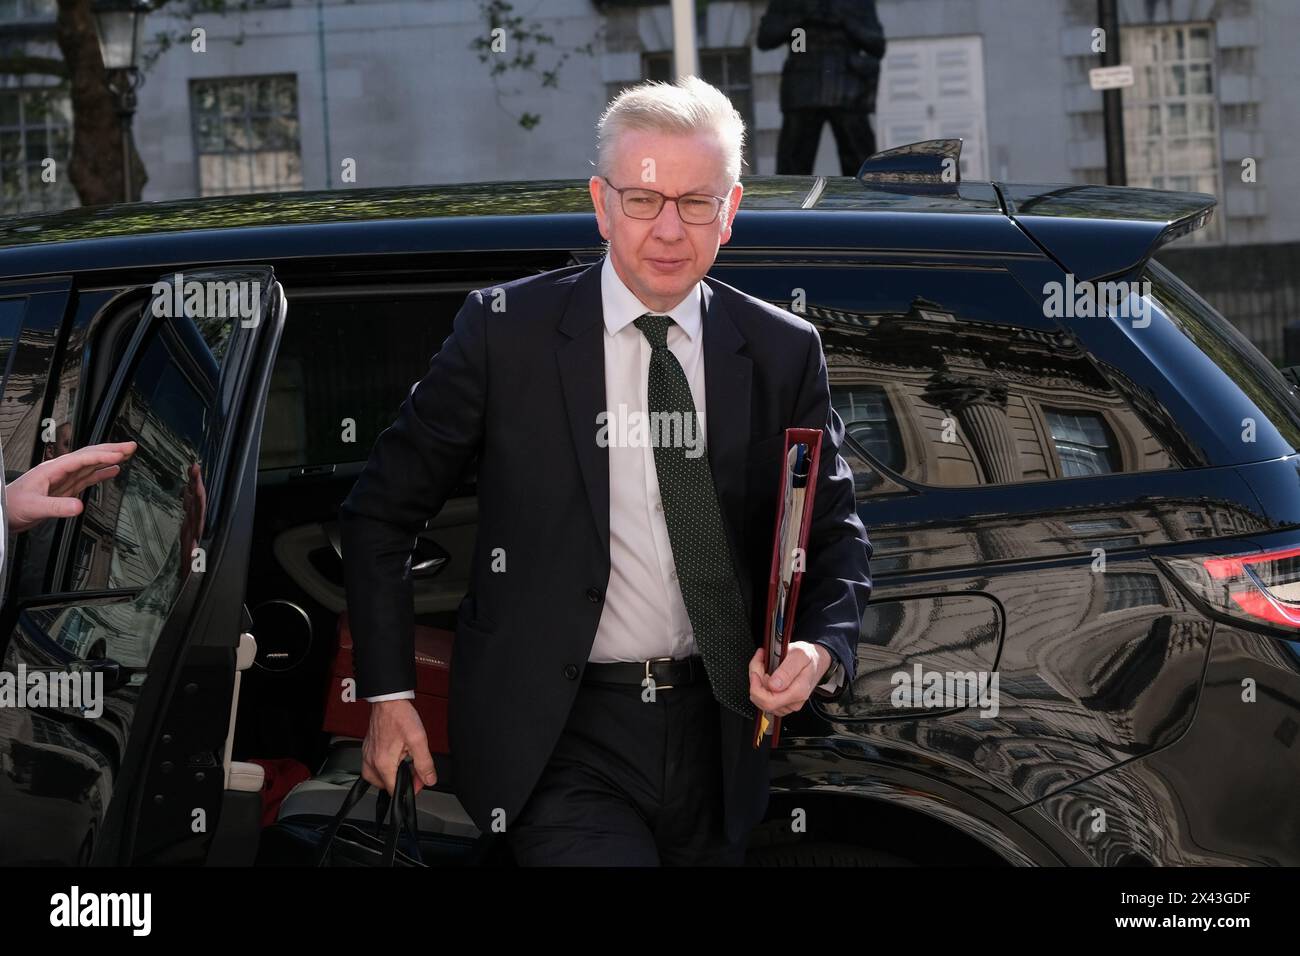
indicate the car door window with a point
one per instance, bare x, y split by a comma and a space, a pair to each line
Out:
131, 525
138, 529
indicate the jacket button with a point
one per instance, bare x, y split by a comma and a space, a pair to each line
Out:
593, 595
571, 671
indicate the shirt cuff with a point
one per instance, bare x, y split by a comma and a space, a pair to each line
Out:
400, 695
834, 678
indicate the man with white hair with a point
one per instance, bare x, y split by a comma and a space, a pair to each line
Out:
607, 666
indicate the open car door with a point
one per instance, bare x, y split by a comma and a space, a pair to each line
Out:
141, 620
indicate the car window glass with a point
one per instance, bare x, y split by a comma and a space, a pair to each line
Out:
138, 529
954, 377
11, 320
1234, 354
342, 371
132, 521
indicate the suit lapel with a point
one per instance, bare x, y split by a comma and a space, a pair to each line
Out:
727, 375
581, 360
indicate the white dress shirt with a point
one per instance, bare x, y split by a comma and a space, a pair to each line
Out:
644, 615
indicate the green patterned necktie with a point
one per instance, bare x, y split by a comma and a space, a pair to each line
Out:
705, 573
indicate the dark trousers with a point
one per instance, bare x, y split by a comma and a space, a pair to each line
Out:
630, 783
801, 131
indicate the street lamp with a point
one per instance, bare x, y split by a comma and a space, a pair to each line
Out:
120, 24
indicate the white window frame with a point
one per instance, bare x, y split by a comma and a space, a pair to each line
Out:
974, 154
1153, 90
39, 131
229, 156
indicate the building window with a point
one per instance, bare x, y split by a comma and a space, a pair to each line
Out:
246, 137
729, 71
35, 125
16, 11
870, 421
1171, 129
1083, 443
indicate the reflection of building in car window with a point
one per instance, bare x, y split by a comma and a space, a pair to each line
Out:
1083, 443
870, 421
130, 534
942, 399
140, 511
11, 315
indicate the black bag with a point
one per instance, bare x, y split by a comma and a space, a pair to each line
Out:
346, 844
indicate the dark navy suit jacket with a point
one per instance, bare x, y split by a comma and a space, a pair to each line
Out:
514, 392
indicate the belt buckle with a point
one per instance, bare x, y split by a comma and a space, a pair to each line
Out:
657, 686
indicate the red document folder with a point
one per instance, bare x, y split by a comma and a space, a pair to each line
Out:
794, 509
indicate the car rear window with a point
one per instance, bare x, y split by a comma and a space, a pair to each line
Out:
1229, 349
952, 377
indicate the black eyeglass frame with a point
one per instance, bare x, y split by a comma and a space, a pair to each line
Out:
663, 199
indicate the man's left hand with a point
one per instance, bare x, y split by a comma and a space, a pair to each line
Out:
53, 488
805, 666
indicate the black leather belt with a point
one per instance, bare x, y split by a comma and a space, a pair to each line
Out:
666, 672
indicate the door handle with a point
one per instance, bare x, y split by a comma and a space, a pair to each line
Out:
116, 675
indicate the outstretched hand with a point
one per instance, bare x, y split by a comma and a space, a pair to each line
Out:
53, 488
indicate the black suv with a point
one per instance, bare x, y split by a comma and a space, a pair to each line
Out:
1080, 481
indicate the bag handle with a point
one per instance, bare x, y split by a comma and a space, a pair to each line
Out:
406, 819
401, 811
351, 800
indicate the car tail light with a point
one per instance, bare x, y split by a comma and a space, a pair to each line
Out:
1260, 586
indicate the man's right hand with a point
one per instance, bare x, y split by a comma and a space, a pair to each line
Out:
396, 730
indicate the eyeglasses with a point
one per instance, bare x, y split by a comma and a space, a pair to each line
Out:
699, 209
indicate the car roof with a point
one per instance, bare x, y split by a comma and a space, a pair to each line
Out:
1099, 229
